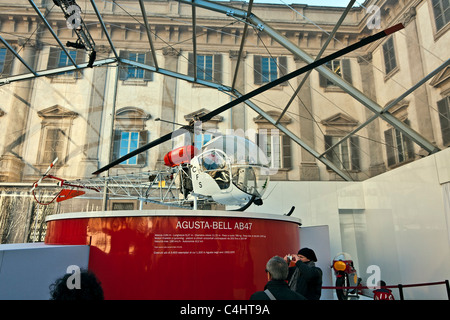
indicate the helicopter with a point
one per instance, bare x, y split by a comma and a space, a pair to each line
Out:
216, 173
230, 169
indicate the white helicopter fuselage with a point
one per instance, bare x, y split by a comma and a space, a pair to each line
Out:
220, 189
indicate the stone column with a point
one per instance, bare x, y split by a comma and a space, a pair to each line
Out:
238, 114
376, 165
11, 161
309, 170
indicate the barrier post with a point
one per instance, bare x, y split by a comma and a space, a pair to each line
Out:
400, 290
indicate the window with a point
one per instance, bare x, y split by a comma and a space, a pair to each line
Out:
64, 60
340, 67
346, 154
267, 69
441, 10
201, 139
135, 72
205, 67
55, 131
54, 144
2, 59
129, 142
209, 67
444, 119
276, 147
399, 148
122, 206
390, 61
131, 72
130, 134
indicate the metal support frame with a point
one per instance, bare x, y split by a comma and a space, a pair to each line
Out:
52, 32
194, 39
296, 139
241, 48
50, 72
319, 55
149, 33
262, 26
17, 55
390, 105
251, 105
174, 74
102, 23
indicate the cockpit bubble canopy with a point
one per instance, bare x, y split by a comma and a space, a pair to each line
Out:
249, 164
239, 150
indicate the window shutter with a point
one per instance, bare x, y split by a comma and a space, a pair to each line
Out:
409, 145
261, 141
53, 57
389, 139
148, 75
8, 63
217, 68
191, 65
347, 71
287, 159
282, 63
257, 71
329, 154
354, 149
143, 140
123, 68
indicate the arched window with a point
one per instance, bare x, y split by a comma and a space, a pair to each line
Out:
399, 147
345, 154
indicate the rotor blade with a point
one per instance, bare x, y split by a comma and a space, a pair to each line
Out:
149, 145
255, 92
300, 71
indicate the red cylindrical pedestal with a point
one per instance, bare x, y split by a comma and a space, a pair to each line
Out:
177, 254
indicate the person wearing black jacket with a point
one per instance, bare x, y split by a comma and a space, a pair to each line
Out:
277, 287
305, 278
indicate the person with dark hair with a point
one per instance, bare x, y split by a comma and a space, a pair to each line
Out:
305, 278
276, 288
89, 287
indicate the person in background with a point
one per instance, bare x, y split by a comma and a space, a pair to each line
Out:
382, 293
90, 288
304, 277
276, 287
